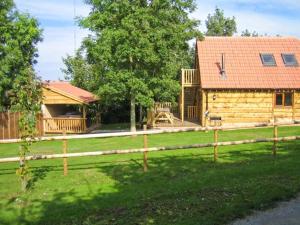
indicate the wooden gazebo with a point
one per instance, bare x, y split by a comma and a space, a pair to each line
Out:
64, 107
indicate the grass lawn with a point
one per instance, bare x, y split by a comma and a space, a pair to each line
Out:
181, 187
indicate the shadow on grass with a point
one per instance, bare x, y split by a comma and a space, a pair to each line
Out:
187, 189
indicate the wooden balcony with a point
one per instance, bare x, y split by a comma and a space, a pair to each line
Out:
70, 125
190, 78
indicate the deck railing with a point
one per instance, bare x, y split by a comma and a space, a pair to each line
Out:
192, 112
70, 125
190, 77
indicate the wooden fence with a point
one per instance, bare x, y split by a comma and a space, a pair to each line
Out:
9, 125
147, 149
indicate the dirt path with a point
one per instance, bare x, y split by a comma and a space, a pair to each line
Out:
286, 213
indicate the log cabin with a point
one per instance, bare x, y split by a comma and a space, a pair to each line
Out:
64, 107
242, 80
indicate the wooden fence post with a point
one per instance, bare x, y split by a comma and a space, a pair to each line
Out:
275, 135
65, 146
215, 145
145, 149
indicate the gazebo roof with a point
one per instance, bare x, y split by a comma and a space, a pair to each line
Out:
68, 90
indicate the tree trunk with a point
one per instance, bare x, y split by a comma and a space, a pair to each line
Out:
141, 116
132, 114
24, 181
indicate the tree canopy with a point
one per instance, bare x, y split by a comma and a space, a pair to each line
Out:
219, 25
20, 89
137, 49
247, 33
19, 35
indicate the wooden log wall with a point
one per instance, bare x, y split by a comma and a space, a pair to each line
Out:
248, 107
9, 125
297, 105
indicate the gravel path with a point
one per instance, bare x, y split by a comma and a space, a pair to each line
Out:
286, 213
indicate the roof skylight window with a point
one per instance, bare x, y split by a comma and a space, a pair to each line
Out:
268, 59
289, 59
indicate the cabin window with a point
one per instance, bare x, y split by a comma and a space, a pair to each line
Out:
289, 59
284, 99
288, 99
268, 59
279, 99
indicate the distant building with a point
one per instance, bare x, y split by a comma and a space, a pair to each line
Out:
64, 107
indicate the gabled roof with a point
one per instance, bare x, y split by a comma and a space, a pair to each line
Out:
68, 90
243, 65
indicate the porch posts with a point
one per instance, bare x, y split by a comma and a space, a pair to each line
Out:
182, 96
84, 116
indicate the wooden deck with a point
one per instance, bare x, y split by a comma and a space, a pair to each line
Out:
178, 123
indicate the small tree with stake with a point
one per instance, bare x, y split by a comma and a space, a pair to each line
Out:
27, 101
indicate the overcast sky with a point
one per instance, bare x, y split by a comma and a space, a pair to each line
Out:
56, 17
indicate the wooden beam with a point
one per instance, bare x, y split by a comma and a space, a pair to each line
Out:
182, 96
145, 159
275, 135
215, 146
273, 105
293, 104
65, 147
84, 117
202, 108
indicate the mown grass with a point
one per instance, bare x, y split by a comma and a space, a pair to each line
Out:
181, 187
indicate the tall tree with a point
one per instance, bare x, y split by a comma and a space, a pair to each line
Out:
219, 25
138, 48
79, 71
19, 35
20, 89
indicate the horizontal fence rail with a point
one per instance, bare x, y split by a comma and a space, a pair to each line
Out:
149, 132
151, 149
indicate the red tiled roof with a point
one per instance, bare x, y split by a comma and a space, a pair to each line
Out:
243, 65
67, 89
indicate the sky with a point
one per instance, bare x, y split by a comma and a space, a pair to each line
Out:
56, 18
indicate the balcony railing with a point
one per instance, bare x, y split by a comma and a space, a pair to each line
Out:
59, 125
190, 77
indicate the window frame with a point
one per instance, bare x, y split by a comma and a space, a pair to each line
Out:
291, 94
288, 64
282, 100
264, 62
283, 94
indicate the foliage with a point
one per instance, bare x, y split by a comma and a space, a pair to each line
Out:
247, 33
27, 101
219, 25
19, 35
137, 49
79, 72
20, 90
